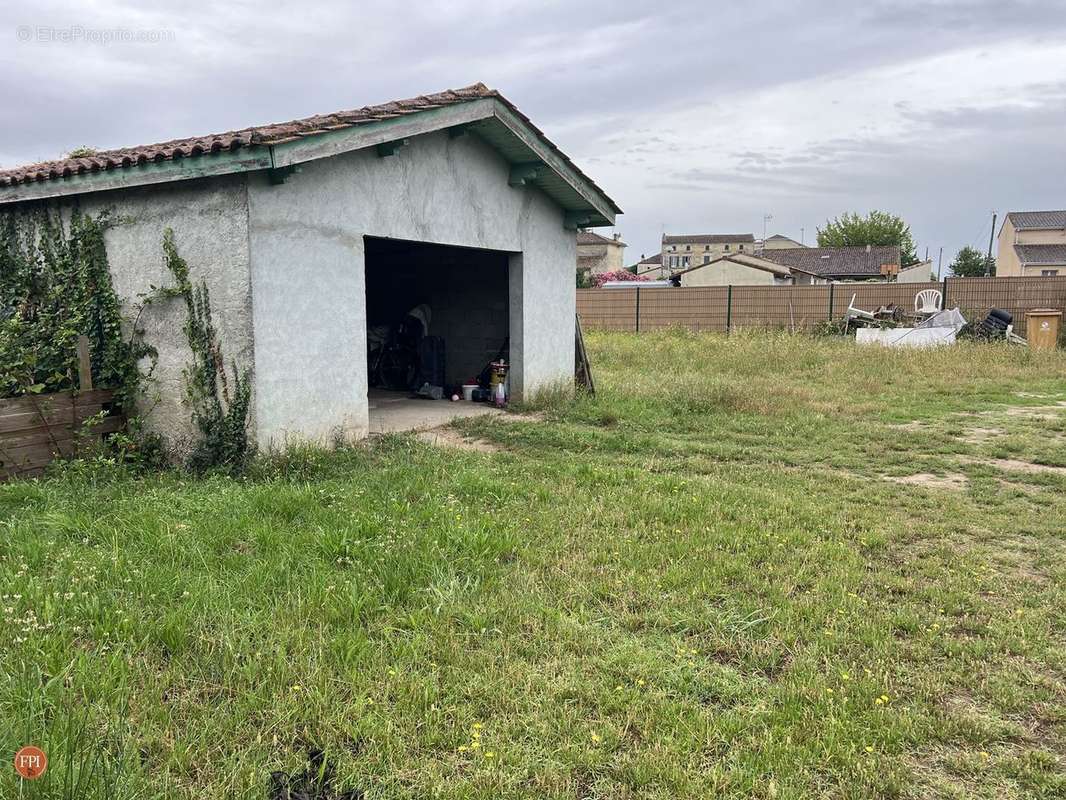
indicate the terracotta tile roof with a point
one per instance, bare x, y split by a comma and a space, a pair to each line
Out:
654, 258
709, 238
834, 261
273, 134
591, 237
276, 133
1037, 220
1052, 254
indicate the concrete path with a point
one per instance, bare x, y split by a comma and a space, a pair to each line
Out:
394, 412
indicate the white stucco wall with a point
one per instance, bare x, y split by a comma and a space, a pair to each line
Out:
307, 268
210, 222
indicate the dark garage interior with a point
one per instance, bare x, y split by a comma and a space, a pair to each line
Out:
466, 292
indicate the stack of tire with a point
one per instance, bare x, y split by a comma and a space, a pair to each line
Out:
994, 326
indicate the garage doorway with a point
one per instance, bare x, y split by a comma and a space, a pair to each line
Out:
437, 315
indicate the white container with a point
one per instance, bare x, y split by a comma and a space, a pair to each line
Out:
468, 391
906, 337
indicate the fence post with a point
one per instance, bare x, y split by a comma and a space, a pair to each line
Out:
638, 310
831, 302
729, 309
944, 294
85, 367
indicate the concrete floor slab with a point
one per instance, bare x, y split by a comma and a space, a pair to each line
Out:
395, 412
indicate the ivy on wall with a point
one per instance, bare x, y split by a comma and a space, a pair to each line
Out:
55, 284
220, 402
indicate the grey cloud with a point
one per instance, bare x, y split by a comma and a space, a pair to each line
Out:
596, 76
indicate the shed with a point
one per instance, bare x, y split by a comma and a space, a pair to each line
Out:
308, 231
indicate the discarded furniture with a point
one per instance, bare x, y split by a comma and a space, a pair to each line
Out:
855, 313
884, 316
928, 301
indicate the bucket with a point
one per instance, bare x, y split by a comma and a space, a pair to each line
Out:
468, 391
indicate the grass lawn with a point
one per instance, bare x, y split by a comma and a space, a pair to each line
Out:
758, 566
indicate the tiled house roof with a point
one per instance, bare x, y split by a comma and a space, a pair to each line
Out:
709, 238
590, 237
1037, 220
1037, 254
836, 262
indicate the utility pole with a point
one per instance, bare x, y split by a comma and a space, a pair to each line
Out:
988, 258
940, 262
802, 230
765, 218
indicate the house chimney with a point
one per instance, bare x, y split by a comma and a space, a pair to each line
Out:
617, 236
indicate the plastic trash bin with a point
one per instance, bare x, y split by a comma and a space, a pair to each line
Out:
1042, 328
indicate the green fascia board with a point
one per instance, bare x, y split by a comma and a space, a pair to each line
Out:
326, 144
182, 169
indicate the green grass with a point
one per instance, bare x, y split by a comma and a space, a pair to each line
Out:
701, 583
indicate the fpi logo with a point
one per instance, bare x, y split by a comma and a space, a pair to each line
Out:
31, 762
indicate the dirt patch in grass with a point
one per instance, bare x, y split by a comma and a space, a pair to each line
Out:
913, 425
1038, 412
953, 481
449, 437
1019, 565
1013, 465
1025, 488
980, 435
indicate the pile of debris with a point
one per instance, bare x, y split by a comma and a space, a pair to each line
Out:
893, 326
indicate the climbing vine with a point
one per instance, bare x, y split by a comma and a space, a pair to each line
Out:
55, 284
220, 403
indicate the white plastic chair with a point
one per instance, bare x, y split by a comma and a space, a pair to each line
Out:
927, 301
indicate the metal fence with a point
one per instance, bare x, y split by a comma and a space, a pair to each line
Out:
722, 308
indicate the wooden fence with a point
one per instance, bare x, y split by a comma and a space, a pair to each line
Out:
722, 308
37, 429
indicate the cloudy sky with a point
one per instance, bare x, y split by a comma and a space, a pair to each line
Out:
694, 116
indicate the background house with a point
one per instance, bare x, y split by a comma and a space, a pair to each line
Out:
684, 251
917, 273
651, 266
597, 254
1032, 243
308, 232
779, 242
735, 269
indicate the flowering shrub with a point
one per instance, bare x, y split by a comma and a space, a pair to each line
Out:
618, 275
